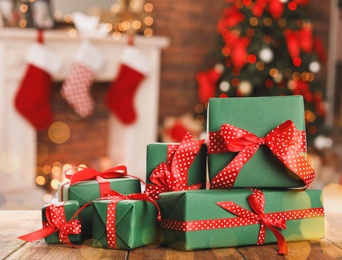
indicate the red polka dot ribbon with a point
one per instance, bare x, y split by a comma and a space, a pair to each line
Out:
272, 221
111, 213
285, 142
173, 175
56, 222
87, 174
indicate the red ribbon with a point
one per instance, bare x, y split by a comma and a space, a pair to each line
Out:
285, 142
273, 221
56, 222
173, 175
87, 174
115, 198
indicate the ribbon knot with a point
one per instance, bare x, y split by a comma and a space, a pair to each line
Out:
115, 198
257, 203
56, 222
285, 142
88, 174
173, 175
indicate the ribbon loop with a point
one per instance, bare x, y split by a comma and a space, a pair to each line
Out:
56, 222
285, 142
173, 175
257, 202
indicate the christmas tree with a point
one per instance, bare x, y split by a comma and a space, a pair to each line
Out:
267, 48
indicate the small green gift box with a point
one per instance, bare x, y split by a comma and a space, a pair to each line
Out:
87, 190
124, 225
172, 167
59, 216
257, 142
203, 219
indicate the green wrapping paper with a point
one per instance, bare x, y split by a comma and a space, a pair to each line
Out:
158, 153
70, 208
136, 224
86, 191
259, 116
200, 206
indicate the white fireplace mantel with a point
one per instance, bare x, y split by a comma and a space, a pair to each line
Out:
127, 144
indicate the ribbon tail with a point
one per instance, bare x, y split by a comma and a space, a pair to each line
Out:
282, 245
38, 234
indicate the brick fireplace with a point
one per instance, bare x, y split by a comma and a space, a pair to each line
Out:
19, 142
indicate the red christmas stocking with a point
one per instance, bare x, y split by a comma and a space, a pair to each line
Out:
120, 96
207, 82
33, 97
76, 87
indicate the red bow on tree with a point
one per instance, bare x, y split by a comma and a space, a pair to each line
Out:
302, 88
297, 40
285, 142
207, 81
274, 7
173, 176
238, 47
56, 222
257, 203
231, 17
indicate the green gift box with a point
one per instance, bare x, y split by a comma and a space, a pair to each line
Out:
193, 220
259, 116
165, 153
135, 224
64, 211
86, 191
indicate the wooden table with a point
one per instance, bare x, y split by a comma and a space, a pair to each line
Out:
15, 223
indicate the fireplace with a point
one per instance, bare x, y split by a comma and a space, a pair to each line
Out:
18, 139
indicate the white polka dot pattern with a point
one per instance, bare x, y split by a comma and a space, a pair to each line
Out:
273, 221
111, 224
76, 89
111, 213
55, 215
285, 142
173, 176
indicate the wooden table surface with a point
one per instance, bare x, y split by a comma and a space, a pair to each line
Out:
16, 223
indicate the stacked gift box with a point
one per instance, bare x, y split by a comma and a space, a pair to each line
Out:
244, 185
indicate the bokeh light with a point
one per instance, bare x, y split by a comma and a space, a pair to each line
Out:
9, 162
59, 132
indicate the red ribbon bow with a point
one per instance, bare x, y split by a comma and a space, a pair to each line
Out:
115, 198
257, 203
173, 176
56, 222
87, 174
285, 142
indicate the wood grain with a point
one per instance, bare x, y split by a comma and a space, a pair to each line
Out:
16, 223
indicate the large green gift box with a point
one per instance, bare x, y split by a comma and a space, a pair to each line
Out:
239, 154
216, 218
59, 214
135, 224
184, 161
86, 191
